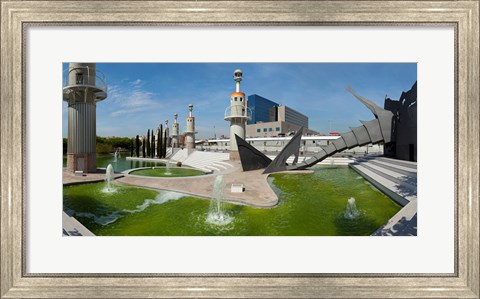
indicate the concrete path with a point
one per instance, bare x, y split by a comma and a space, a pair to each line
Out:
71, 227
70, 178
257, 190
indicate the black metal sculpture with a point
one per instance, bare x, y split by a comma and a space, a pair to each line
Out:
292, 148
250, 157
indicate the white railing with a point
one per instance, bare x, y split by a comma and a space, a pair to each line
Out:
97, 80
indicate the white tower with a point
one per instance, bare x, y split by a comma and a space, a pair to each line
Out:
175, 131
167, 133
237, 114
190, 130
82, 89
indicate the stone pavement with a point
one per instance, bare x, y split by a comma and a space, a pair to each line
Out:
257, 190
70, 178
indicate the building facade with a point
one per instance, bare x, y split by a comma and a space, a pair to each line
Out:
270, 119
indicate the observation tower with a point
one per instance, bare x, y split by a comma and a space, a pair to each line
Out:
237, 114
190, 130
83, 87
175, 131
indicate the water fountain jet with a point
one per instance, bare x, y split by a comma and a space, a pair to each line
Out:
109, 176
217, 214
351, 212
167, 170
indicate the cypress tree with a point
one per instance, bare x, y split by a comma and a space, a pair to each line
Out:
153, 146
148, 143
143, 147
131, 147
165, 145
137, 146
160, 142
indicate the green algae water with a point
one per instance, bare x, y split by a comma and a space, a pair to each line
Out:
310, 205
168, 172
120, 163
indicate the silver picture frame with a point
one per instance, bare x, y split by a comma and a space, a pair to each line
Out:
17, 16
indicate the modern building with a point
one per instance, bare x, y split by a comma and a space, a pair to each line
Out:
270, 119
83, 87
261, 109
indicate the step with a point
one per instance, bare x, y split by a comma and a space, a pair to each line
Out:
403, 163
409, 181
400, 195
392, 171
394, 167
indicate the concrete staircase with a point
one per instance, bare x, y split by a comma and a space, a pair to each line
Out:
398, 180
206, 161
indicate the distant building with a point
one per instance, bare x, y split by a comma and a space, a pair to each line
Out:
270, 119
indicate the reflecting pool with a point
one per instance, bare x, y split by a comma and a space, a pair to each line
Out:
119, 163
316, 204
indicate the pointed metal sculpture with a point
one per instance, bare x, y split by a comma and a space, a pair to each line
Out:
292, 148
250, 157
373, 131
384, 116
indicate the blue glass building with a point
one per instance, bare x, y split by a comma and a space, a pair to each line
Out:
261, 109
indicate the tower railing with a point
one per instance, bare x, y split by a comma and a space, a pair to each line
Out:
83, 79
245, 114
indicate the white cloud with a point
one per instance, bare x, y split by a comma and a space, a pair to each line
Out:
131, 98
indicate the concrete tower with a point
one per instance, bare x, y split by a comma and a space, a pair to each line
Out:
190, 130
175, 131
82, 89
237, 114
166, 133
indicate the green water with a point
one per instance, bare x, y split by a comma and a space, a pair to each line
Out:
310, 205
120, 164
172, 172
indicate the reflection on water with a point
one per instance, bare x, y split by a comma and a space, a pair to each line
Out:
120, 164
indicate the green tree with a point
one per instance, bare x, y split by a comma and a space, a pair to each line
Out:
153, 145
160, 142
165, 137
131, 147
148, 143
143, 147
137, 146
65, 145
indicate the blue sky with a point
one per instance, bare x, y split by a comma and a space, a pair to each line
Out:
142, 96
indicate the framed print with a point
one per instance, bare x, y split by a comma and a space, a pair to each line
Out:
148, 97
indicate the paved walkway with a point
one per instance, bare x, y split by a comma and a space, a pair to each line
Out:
257, 190
71, 227
70, 178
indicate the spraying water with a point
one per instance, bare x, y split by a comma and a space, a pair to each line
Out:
167, 170
351, 212
216, 214
109, 175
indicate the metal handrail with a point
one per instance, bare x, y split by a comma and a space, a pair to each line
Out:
98, 78
246, 114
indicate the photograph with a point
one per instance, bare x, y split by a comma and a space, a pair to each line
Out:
239, 149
